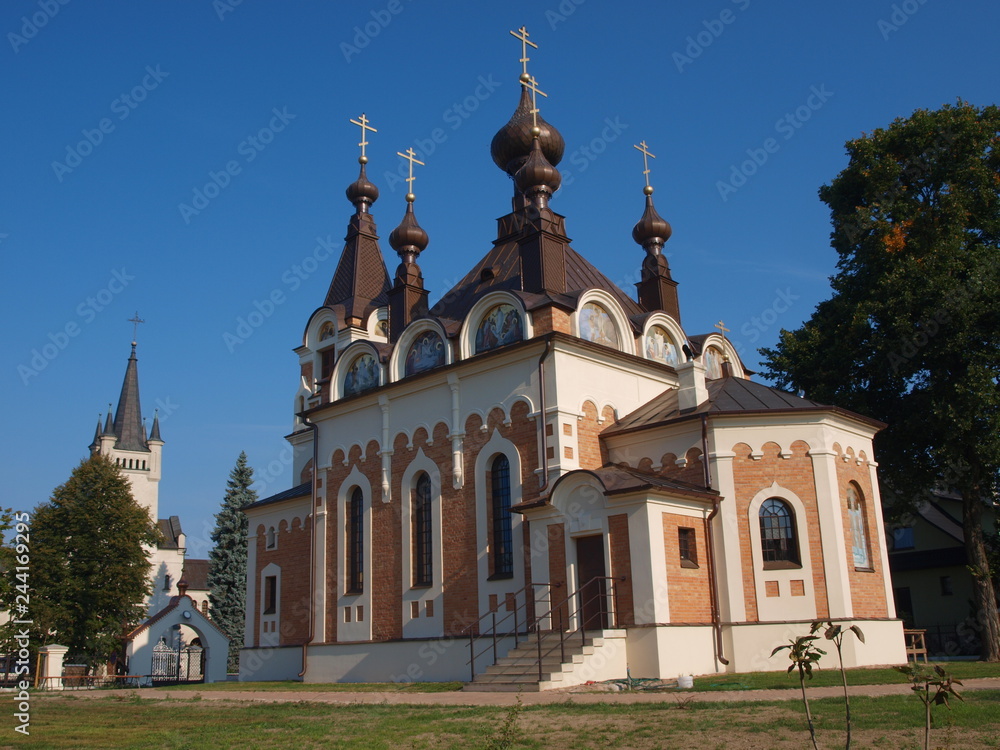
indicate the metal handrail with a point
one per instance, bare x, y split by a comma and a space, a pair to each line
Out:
554, 612
494, 633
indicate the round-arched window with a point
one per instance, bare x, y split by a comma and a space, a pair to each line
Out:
778, 541
660, 347
426, 352
596, 325
362, 375
499, 327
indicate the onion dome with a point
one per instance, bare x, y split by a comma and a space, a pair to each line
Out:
652, 229
361, 192
408, 239
537, 177
512, 144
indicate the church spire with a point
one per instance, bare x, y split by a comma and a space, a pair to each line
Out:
407, 298
154, 433
361, 283
128, 416
657, 290
95, 444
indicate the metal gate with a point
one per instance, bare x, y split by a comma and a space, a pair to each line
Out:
174, 666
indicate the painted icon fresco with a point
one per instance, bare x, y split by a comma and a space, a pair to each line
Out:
499, 327
596, 325
660, 347
382, 328
327, 330
362, 375
713, 363
426, 352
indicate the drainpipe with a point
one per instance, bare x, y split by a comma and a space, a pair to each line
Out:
312, 543
542, 457
713, 582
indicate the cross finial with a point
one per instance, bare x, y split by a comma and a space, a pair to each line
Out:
532, 84
522, 34
135, 321
362, 122
646, 156
410, 156
722, 328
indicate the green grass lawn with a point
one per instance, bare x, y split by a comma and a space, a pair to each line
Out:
326, 687
125, 723
831, 676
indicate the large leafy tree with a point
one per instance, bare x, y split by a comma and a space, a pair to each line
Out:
89, 566
227, 561
911, 335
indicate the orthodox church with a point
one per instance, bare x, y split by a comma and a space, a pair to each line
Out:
138, 454
542, 479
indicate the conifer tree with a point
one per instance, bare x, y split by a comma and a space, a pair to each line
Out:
227, 561
89, 566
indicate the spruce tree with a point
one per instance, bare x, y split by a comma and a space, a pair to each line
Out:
227, 561
89, 566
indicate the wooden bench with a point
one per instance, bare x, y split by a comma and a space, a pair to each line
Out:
916, 646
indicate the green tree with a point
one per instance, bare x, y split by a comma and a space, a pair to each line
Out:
911, 335
89, 565
227, 561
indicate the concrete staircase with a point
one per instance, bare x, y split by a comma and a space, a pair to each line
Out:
518, 670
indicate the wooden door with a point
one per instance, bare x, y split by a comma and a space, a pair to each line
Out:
592, 599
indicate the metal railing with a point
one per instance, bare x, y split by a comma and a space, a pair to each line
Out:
587, 607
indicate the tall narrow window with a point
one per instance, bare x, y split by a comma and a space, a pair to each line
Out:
270, 595
420, 514
859, 539
355, 542
777, 534
503, 553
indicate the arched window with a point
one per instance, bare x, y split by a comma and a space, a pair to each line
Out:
420, 522
271, 539
597, 325
204, 608
501, 542
355, 542
859, 538
777, 534
713, 363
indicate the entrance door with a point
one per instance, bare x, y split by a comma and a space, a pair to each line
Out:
592, 599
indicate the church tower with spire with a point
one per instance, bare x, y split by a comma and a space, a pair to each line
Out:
541, 451
138, 453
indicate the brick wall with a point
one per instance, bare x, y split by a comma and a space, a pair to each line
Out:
621, 568
750, 476
593, 454
547, 319
688, 589
867, 587
292, 556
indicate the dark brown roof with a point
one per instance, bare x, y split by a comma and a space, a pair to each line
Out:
171, 530
361, 283
502, 266
725, 396
196, 574
302, 490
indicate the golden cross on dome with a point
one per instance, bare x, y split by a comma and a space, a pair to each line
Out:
522, 34
135, 321
410, 156
646, 155
362, 122
721, 326
532, 84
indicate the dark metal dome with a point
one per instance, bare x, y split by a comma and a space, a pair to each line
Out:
512, 143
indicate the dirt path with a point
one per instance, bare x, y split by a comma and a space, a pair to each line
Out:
506, 699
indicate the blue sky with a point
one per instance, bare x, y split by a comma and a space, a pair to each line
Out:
121, 112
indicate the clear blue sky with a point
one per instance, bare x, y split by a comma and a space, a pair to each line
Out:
172, 91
